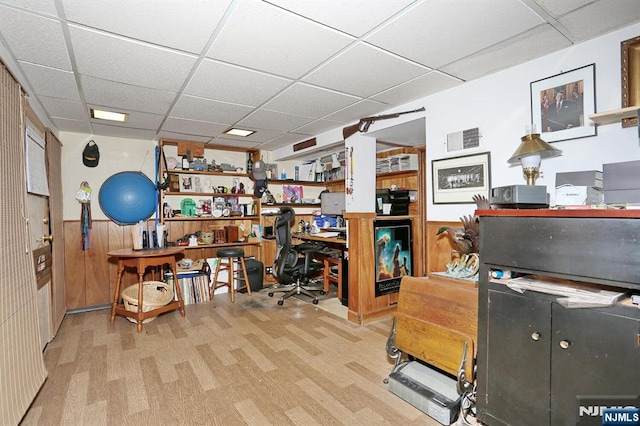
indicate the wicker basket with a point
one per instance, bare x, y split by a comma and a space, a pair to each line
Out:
154, 295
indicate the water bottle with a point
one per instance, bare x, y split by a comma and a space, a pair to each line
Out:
297, 173
283, 175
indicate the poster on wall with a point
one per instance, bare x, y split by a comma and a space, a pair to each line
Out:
394, 259
36, 163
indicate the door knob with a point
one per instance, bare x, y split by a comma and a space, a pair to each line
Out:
535, 336
564, 344
47, 238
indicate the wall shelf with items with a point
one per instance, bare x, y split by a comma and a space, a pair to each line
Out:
209, 203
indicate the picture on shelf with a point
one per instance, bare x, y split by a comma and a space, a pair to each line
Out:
204, 207
186, 184
292, 193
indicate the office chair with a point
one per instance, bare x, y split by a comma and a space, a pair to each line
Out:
294, 265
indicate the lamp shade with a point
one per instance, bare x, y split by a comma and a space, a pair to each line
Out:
532, 144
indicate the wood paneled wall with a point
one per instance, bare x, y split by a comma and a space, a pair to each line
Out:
91, 275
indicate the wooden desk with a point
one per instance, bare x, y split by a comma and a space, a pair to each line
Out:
315, 237
141, 260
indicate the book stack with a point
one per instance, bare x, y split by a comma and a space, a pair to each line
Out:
194, 286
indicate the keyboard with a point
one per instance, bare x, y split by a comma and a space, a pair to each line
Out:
335, 229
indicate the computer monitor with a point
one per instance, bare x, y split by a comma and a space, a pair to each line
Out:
332, 203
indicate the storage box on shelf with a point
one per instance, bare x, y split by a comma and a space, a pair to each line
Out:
215, 195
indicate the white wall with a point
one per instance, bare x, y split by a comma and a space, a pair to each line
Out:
500, 105
116, 155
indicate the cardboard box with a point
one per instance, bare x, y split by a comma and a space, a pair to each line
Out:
621, 182
592, 178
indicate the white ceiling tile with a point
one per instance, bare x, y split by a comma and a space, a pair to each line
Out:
557, 8
272, 120
229, 83
193, 127
230, 142
41, 6
358, 110
532, 44
355, 17
285, 140
309, 101
127, 61
64, 109
126, 96
318, 126
33, 38
72, 126
354, 66
51, 82
123, 132
265, 37
420, 87
587, 22
476, 25
181, 25
200, 109
182, 136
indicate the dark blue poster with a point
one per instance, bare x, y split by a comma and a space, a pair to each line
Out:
393, 254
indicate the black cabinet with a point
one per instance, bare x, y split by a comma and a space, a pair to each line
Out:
540, 363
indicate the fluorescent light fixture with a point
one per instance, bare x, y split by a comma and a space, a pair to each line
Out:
109, 115
239, 132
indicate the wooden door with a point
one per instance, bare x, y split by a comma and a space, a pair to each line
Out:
54, 175
39, 234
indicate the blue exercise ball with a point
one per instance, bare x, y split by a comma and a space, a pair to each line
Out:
128, 197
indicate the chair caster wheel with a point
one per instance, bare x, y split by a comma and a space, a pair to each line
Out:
322, 292
270, 294
280, 302
315, 301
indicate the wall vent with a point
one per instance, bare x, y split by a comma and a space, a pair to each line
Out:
463, 140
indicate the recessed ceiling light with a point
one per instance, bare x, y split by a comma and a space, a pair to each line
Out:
109, 115
239, 132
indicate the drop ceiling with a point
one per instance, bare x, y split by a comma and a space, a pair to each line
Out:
288, 69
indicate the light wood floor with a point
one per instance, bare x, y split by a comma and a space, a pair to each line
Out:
252, 362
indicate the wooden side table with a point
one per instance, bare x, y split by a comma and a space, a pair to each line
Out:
141, 260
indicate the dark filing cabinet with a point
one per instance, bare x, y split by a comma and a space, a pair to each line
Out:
540, 363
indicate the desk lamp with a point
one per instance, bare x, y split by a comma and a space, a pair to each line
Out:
530, 153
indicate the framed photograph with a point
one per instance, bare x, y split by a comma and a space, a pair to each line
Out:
456, 180
561, 104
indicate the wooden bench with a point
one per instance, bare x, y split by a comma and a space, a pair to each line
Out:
435, 318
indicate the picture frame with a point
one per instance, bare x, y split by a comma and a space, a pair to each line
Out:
456, 180
569, 118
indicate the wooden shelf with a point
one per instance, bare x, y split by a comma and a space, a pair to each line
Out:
305, 183
188, 218
292, 205
615, 116
209, 194
234, 244
397, 174
196, 172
